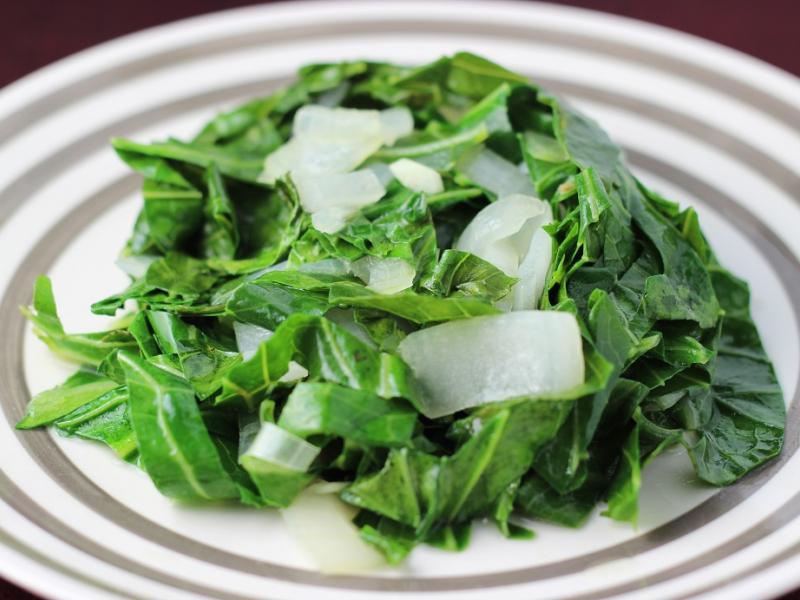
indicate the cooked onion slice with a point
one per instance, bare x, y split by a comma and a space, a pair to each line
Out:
395, 123
491, 171
475, 361
249, 338
335, 140
416, 176
274, 446
323, 525
508, 233
384, 275
333, 198
318, 156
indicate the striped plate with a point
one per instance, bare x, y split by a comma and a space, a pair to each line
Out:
701, 123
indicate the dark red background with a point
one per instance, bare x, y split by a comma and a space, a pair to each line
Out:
37, 32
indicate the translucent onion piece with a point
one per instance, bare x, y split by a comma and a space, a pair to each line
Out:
533, 269
384, 275
345, 318
280, 161
339, 190
500, 221
416, 176
335, 140
281, 266
327, 266
323, 526
331, 199
295, 372
494, 173
475, 361
318, 156
342, 124
330, 220
274, 446
395, 124
334, 97
249, 338
508, 233
382, 172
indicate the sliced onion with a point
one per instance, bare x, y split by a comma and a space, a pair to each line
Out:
280, 266
330, 220
384, 275
491, 171
331, 199
471, 362
327, 266
416, 176
274, 446
334, 97
318, 156
499, 222
382, 172
281, 160
533, 270
396, 123
335, 140
250, 337
344, 317
508, 233
295, 372
317, 122
323, 526
339, 190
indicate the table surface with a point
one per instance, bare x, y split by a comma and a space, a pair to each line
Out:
38, 32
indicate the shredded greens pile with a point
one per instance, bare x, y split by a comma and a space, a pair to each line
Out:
439, 289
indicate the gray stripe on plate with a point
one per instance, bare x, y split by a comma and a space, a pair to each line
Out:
60, 161
39, 260
65, 96
36, 556
29, 509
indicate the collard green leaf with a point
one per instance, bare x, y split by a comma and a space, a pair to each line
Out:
202, 362
404, 490
329, 353
747, 417
175, 447
220, 231
268, 223
623, 498
463, 274
360, 416
104, 419
528, 424
235, 162
86, 348
268, 304
173, 213
80, 388
408, 305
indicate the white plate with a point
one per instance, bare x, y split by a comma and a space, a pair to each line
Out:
703, 124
